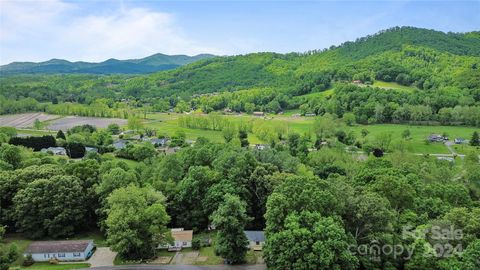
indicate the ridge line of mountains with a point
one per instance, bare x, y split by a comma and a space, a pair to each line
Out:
152, 63
390, 40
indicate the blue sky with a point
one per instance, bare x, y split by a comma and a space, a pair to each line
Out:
98, 30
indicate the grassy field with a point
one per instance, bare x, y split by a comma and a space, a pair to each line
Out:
393, 85
418, 135
167, 124
33, 132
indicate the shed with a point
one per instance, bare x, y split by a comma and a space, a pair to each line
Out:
68, 250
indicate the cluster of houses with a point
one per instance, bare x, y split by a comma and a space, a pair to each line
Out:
81, 250
442, 138
61, 151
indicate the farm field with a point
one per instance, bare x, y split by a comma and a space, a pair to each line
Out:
25, 120
55, 122
71, 121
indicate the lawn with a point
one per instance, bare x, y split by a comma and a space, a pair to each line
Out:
209, 252
131, 163
34, 132
393, 85
418, 136
48, 266
167, 123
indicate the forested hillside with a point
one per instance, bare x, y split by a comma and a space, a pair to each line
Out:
442, 69
153, 63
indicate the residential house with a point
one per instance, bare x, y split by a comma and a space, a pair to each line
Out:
58, 151
357, 82
91, 149
459, 140
181, 239
69, 250
120, 144
157, 142
258, 114
256, 239
437, 138
260, 146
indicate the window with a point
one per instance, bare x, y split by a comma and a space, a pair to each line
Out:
76, 254
185, 243
61, 255
257, 243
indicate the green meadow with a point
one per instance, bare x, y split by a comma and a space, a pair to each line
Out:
168, 124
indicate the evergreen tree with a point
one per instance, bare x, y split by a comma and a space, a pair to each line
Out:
61, 135
475, 141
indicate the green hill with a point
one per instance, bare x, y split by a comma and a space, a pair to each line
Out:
441, 69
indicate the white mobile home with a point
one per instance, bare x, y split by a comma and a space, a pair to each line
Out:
69, 250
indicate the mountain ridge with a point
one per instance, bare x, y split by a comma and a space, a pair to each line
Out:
149, 64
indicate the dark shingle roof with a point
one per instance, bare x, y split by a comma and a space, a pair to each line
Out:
255, 236
58, 246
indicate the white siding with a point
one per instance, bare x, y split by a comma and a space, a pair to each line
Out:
67, 256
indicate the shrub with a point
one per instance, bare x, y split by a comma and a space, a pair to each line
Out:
196, 243
28, 260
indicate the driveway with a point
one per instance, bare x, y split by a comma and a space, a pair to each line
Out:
103, 256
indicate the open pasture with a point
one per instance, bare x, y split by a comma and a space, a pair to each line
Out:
168, 123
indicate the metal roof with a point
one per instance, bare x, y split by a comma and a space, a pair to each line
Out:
58, 246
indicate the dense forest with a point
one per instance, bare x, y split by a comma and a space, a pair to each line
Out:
442, 70
324, 209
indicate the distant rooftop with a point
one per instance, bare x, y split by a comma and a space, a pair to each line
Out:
256, 236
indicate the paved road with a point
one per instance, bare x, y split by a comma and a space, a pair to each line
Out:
182, 267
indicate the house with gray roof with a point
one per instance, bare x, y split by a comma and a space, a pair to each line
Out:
68, 250
120, 144
256, 239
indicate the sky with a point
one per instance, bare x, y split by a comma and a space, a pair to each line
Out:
98, 30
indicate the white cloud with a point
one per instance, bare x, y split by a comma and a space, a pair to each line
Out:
37, 31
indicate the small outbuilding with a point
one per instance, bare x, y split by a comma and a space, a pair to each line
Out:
256, 239
68, 250
258, 114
